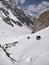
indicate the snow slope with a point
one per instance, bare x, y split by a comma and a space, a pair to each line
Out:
17, 45
26, 50
12, 19
10, 24
9, 31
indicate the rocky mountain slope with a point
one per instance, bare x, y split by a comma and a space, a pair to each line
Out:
13, 20
42, 22
7, 7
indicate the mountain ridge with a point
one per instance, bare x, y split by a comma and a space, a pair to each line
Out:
17, 11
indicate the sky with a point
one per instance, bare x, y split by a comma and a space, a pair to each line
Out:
36, 7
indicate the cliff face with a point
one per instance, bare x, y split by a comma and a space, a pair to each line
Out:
42, 22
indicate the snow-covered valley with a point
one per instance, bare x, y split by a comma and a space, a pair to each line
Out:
18, 46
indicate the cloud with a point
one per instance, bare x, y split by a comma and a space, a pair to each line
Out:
40, 8
20, 1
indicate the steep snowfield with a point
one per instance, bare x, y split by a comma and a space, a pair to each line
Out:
12, 19
9, 31
10, 24
26, 50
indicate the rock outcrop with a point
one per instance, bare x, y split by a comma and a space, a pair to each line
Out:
42, 22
